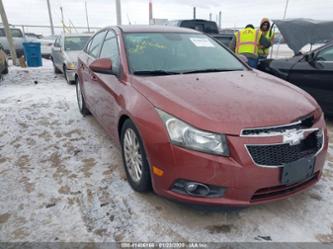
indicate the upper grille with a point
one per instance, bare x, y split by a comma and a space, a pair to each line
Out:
303, 123
281, 154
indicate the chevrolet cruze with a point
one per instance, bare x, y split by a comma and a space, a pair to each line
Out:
195, 123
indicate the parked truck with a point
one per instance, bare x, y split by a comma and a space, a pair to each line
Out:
208, 27
18, 39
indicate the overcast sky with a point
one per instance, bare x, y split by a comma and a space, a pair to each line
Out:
235, 13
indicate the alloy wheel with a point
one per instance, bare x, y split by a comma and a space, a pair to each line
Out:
132, 154
79, 96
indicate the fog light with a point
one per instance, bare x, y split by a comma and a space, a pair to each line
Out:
190, 187
197, 189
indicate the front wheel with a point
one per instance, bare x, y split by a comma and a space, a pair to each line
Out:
80, 100
66, 76
55, 69
134, 157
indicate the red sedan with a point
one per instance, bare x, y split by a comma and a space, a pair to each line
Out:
195, 123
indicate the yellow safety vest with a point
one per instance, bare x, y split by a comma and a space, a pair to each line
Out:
247, 41
265, 51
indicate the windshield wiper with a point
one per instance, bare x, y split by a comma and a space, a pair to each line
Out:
210, 70
154, 72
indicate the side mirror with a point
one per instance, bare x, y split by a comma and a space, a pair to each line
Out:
310, 57
243, 58
103, 65
57, 49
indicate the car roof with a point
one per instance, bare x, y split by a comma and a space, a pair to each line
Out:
191, 20
154, 28
78, 35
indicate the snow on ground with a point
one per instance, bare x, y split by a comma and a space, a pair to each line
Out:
62, 179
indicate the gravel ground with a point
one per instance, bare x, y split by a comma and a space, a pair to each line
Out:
62, 179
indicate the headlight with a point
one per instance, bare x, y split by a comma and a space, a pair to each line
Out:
71, 65
184, 135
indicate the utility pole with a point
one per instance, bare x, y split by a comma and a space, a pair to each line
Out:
87, 16
194, 13
128, 19
118, 12
285, 9
150, 12
62, 19
50, 16
210, 16
8, 32
220, 19
284, 17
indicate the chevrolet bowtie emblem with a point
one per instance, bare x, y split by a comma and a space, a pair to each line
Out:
293, 137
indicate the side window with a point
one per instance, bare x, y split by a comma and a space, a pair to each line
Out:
326, 55
61, 41
56, 43
96, 44
86, 49
110, 50
193, 25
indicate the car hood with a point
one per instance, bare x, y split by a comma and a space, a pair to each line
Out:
281, 66
301, 31
71, 56
226, 102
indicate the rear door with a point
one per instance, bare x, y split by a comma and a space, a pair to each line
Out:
316, 77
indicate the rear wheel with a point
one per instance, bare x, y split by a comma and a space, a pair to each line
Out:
5, 71
134, 157
80, 100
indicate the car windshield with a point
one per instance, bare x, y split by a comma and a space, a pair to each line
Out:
75, 42
177, 53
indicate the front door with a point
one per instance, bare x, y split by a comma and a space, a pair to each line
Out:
90, 86
109, 86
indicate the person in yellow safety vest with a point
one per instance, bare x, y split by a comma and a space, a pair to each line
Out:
269, 34
247, 41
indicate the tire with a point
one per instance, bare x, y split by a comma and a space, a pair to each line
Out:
140, 182
80, 100
5, 71
69, 82
56, 70
65, 75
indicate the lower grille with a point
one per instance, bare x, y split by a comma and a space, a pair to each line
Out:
280, 191
281, 154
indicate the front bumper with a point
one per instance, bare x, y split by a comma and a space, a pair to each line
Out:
70, 74
245, 182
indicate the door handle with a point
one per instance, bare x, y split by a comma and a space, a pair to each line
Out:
93, 77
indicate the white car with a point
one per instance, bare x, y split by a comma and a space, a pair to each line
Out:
65, 51
46, 46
